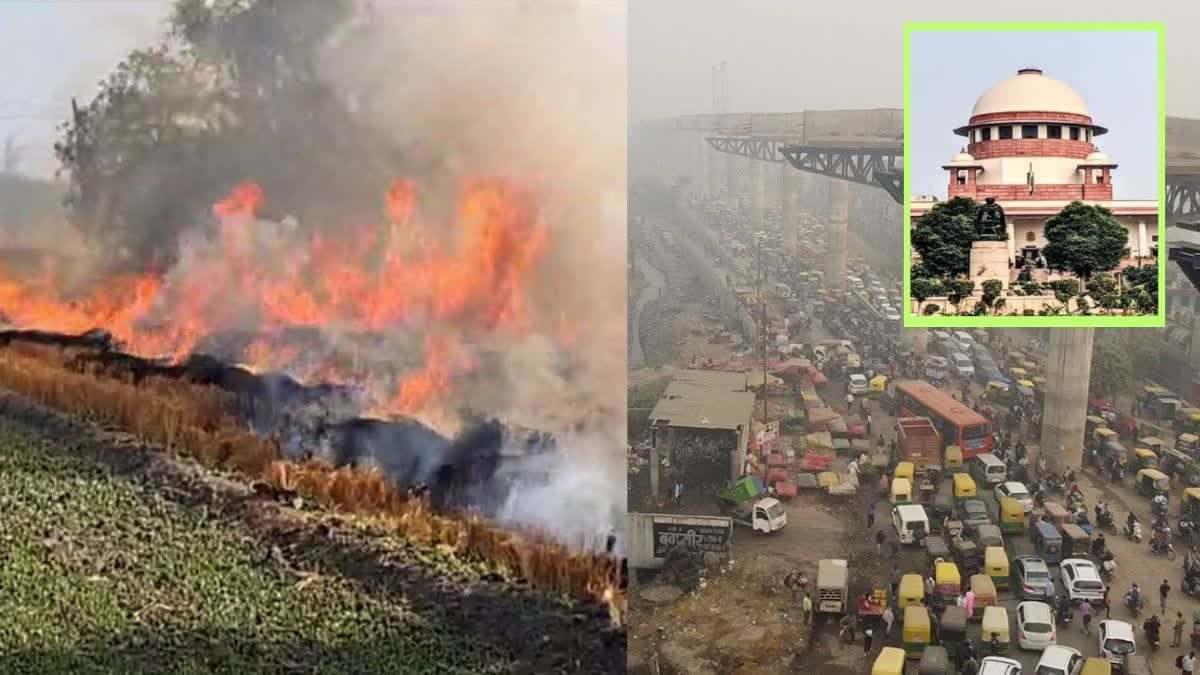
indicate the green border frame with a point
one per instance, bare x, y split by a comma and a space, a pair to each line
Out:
1158, 320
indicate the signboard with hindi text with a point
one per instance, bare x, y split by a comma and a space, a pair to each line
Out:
651, 535
695, 537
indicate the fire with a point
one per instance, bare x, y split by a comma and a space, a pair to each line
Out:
452, 283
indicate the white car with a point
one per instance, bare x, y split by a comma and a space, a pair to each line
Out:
1060, 660
1116, 641
891, 315
1017, 491
858, 384
1035, 626
998, 665
1081, 580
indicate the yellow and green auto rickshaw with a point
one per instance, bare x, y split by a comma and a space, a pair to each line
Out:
901, 491
1040, 383
1186, 443
889, 662
985, 593
1190, 424
995, 565
1152, 482
1144, 458
1091, 423
878, 386
964, 486
1011, 515
952, 460
904, 470
853, 362
911, 591
1094, 665
1185, 411
998, 392
1156, 445
995, 623
1076, 541
1102, 435
1190, 504
916, 630
947, 581
1018, 373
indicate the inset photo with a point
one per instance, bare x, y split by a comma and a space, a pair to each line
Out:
1034, 175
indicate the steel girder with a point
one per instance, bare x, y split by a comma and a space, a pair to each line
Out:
877, 167
763, 149
1183, 197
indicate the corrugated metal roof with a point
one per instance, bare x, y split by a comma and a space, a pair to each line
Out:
705, 399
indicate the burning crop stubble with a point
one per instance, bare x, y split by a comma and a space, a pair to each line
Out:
491, 279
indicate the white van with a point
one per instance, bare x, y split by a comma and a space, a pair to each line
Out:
938, 336
964, 337
909, 520
988, 469
936, 368
962, 365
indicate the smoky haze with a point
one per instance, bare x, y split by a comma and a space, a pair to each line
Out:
794, 56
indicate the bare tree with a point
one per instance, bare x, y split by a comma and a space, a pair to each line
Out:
10, 161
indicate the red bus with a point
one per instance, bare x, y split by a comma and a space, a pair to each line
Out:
958, 424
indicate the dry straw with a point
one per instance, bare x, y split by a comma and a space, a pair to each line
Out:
198, 421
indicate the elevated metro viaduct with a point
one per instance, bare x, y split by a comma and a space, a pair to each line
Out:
866, 147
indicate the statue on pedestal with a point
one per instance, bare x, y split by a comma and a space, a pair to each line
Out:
989, 222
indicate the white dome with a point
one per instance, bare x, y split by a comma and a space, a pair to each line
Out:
962, 157
1030, 91
1096, 156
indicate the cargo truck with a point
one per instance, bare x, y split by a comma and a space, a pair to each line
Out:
919, 441
745, 502
833, 579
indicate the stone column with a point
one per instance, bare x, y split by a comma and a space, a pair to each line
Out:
1143, 241
835, 262
1012, 240
787, 218
1068, 369
758, 196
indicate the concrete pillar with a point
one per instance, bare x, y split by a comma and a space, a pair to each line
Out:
835, 261
758, 195
1012, 240
787, 217
709, 161
654, 466
730, 176
1194, 343
1068, 368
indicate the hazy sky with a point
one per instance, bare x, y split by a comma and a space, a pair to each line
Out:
55, 49
792, 55
1121, 94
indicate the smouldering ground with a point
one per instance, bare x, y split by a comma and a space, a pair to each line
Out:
108, 568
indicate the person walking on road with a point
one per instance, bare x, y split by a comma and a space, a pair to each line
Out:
808, 608
1104, 605
895, 579
1187, 664
1179, 624
868, 637
1163, 591
888, 617
870, 516
1085, 614
879, 537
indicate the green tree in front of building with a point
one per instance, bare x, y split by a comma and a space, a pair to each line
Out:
943, 238
1084, 239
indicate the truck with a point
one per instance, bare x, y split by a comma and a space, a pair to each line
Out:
744, 502
833, 586
919, 441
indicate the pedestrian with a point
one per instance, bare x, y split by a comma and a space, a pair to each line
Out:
868, 637
852, 470
1085, 614
868, 424
895, 579
888, 617
849, 401
895, 545
1187, 664
870, 516
678, 492
929, 587
1163, 591
1179, 624
808, 608
879, 537
969, 603
1105, 606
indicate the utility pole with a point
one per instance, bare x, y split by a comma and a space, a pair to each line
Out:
761, 278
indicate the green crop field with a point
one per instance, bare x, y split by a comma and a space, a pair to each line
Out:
105, 571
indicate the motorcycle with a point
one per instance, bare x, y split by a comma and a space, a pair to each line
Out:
1166, 549
1062, 611
1152, 634
1108, 567
1134, 534
1158, 509
1191, 586
1106, 522
1135, 609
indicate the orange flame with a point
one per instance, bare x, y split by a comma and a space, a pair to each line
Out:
468, 286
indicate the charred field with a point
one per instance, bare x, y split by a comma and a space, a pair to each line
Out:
152, 480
